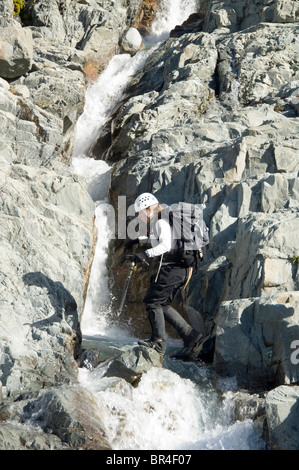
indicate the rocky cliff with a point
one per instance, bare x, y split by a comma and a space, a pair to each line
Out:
212, 118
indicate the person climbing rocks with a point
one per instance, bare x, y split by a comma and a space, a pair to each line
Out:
169, 279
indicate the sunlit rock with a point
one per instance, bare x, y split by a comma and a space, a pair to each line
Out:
131, 41
133, 363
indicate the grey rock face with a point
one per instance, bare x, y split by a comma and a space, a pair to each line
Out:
16, 51
255, 338
38, 306
282, 411
57, 418
212, 119
95, 27
231, 16
15, 436
6, 13
251, 78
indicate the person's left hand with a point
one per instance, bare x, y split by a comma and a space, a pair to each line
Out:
141, 258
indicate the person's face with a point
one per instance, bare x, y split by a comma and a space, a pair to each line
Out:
146, 214
142, 215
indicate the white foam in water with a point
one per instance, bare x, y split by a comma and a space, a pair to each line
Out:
165, 411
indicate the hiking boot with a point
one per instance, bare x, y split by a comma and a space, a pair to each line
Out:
192, 339
185, 354
191, 351
158, 345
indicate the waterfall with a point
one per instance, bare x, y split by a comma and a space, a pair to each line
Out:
177, 406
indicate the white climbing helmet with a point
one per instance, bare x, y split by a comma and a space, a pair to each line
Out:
145, 200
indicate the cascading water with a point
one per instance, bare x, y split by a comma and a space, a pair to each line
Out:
170, 14
169, 411
177, 406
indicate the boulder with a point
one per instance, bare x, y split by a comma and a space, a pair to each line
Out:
29, 134
57, 85
15, 436
131, 41
16, 51
255, 340
98, 48
57, 418
49, 15
282, 414
131, 364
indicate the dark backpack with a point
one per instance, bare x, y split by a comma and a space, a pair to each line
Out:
190, 230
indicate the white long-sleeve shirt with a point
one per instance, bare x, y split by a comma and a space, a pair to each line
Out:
164, 241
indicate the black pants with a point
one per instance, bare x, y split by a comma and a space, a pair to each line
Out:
159, 297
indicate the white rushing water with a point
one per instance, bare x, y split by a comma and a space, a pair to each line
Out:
175, 407
169, 412
170, 14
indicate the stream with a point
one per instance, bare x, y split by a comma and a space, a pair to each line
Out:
181, 406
